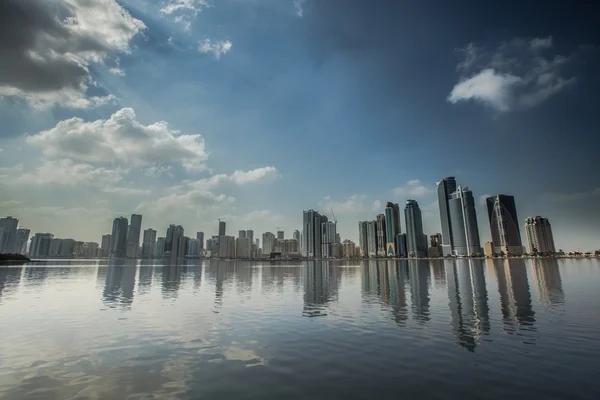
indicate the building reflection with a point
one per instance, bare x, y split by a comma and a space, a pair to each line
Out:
10, 278
515, 297
319, 288
439, 273
548, 281
35, 275
119, 283
397, 272
418, 277
468, 301
145, 274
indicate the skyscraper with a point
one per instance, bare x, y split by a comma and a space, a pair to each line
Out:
328, 237
200, 237
118, 238
372, 238
242, 234
311, 224
21, 241
133, 235
242, 247
149, 243
381, 236
504, 227
268, 240
445, 188
416, 241
464, 230
40, 245
362, 238
296, 236
178, 242
8, 234
222, 228
105, 245
280, 235
392, 227
539, 235
250, 235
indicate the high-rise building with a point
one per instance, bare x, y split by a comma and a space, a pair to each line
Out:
242, 247
504, 227
539, 235
133, 235
416, 241
193, 248
226, 246
178, 242
268, 240
209, 246
381, 239
90, 249
296, 236
280, 235
222, 228
55, 245
242, 234
463, 223
257, 241
372, 238
40, 245
435, 246
445, 188
200, 237
169, 240
67, 248
312, 242
392, 227
118, 238
105, 245
78, 248
328, 237
362, 239
8, 234
149, 243
159, 250
250, 235
21, 240
401, 245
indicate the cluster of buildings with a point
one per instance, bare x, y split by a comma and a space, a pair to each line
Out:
319, 239
382, 237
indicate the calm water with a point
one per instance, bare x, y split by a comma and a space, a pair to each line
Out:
448, 330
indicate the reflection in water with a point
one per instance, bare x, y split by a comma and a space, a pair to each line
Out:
439, 273
548, 282
35, 275
397, 280
145, 273
468, 301
515, 298
9, 279
119, 283
418, 276
319, 289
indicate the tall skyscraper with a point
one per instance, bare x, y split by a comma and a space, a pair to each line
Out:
118, 239
445, 188
178, 242
296, 236
159, 250
416, 241
105, 245
372, 238
8, 234
21, 241
257, 243
242, 234
268, 240
242, 247
200, 237
381, 235
311, 224
250, 235
280, 235
539, 235
193, 248
149, 243
40, 245
133, 235
362, 238
392, 227
328, 237
463, 223
504, 227
222, 228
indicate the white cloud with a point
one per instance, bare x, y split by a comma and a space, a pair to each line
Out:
193, 6
259, 175
117, 71
514, 75
217, 48
121, 139
299, 6
354, 203
412, 188
47, 61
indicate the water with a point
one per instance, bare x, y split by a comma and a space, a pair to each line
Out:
369, 330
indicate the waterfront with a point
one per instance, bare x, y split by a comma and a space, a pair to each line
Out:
255, 330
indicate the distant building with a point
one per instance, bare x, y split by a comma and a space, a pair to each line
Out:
312, 241
149, 243
133, 235
381, 238
392, 227
67, 248
250, 235
40, 245
159, 250
90, 249
445, 188
416, 241
349, 249
55, 246
372, 238
200, 237
118, 238
209, 246
226, 246
178, 243
288, 247
280, 235
268, 240
435, 246
243, 247
504, 227
21, 240
401, 245
463, 223
296, 236
241, 234
328, 237
222, 228
193, 248
8, 234
105, 245
363, 238
539, 235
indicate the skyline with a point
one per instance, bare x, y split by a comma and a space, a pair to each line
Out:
253, 111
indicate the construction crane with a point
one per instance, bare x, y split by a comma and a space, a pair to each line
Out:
333, 215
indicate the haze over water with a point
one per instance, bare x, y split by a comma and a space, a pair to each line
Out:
450, 329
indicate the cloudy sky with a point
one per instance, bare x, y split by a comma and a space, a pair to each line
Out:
190, 110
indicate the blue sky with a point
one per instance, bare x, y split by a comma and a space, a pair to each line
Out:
190, 110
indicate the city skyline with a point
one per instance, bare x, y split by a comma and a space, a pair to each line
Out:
183, 115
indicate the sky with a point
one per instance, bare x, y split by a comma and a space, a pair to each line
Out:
253, 110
